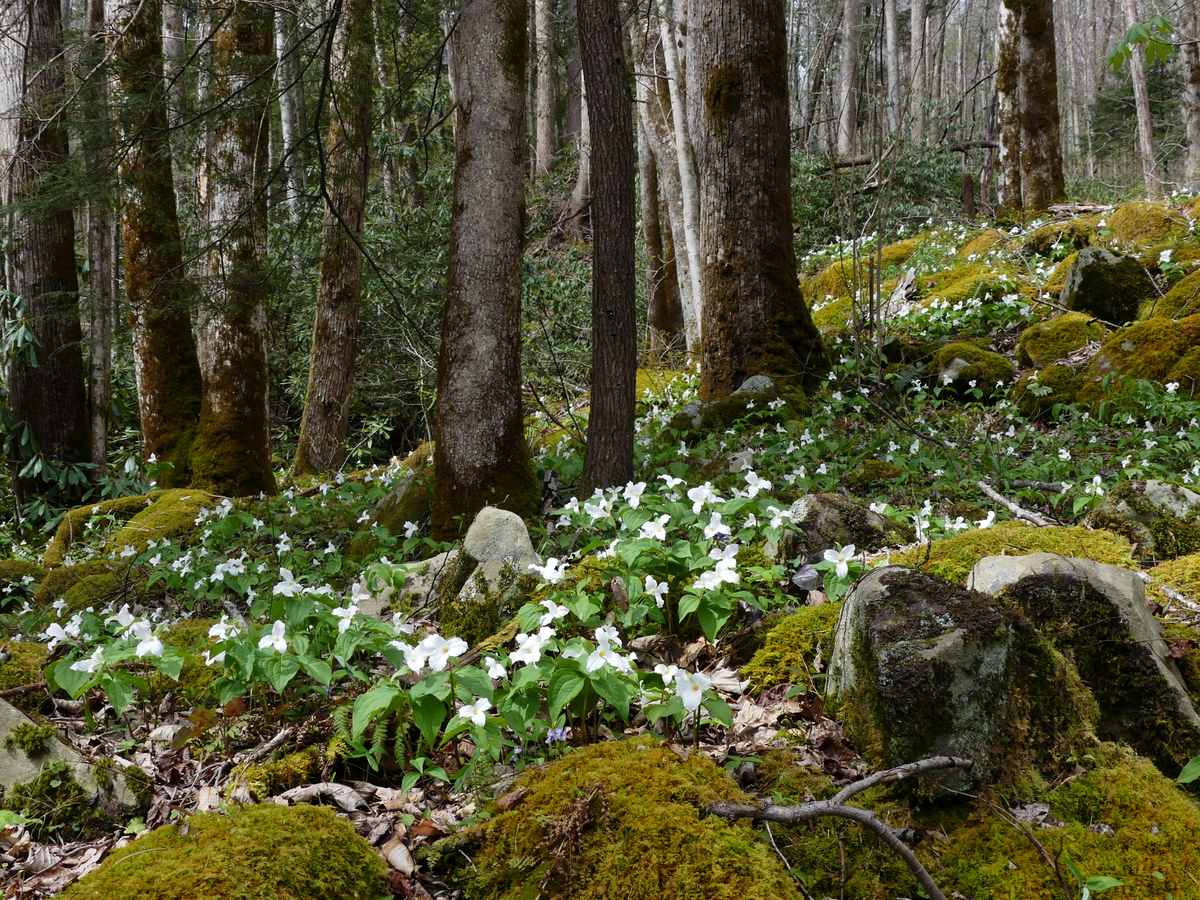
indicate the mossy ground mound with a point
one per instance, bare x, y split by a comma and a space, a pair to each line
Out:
982, 243
1156, 349
623, 819
58, 582
1046, 342
1074, 234
18, 573
1181, 301
962, 283
953, 559
1144, 224
296, 853
1035, 402
171, 513
1057, 279
1110, 286
73, 527
984, 370
790, 650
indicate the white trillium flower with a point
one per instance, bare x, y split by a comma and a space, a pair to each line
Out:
289, 587
441, 651
124, 618
654, 529
1095, 488
210, 660
715, 526
668, 673
701, 495
553, 611
414, 657
708, 581
494, 668
148, 643
275, 639
223, 629
657, 589
841, 559
91, 664
607, 634
476, 712
756, 484
633, 493
691, 687
346, 614
552, 571
987, 522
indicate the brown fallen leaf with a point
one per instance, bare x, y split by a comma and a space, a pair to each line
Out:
398, 856
426, 828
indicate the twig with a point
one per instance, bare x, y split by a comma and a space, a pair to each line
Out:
9, 692
805, 812
1019, 511
263, 750
1173, 595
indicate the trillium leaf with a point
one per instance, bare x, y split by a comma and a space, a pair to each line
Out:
1190, 772
718, 709
317, 669
367, 705
519, 709
688, 604
475, 680
528, 617
429, 713
612, 689
1102, 883
565, 685
170, 666
280, 669
119, 693
70, 680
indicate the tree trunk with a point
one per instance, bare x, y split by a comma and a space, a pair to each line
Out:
165, 363
232, 453
322, 443
664, 315
1191, 95
891, 24
608, 459
481, 457
48, 395
919, 65
173, 42
286, 76
547, 85
1141, 101
578, 206
755, 319
1041, 148
1008, 109
847, 131
573, 125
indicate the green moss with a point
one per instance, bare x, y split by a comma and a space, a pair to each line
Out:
1107, 285
30, 739
60, 804
1143, 224
789, 653
60, 580
1153, 527
873, 474
1064, 383
707, 416
476, 610
1182, 574
191, 637
623, 819
15, 571
1188, 661
267, 779
1074, 233
898, 254
962, 283
832, 315
1150, 350
982, 243
72, 529
171, 513
1181, 301
24, 665
985, 368
285, 853
1046, 342
1057, 279
953, 559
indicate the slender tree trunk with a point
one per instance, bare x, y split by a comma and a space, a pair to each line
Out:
547, 85
919, 65
755, 319
481, 457
847, 132
1008, 108
286, 76
1041, 147
173, 44
47, 394
389, 173
157, 287
608, 459
322, 443
573, 124
232, 453
891, 24
664, 315
808, 127
1191, 95
1141, 101
578, 206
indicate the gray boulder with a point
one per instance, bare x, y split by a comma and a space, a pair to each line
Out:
1107, 285
1160, 519
826, 521
925, 667
1097, 614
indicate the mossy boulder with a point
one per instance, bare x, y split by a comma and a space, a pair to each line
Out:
875, 474
827, 521
701, 417
1038, 393
622, 819
908, 350
1047, 342
19, 579
59, 581
953, 559
73, 527
266, 779
982, 243
792, 649
1097, 614
1073, 235
965, 366
1144, 224
285, 853
1109, 286
1181, 301
1160, 519
966, 282
1057, 279
1157, 349
169, 515
923, 667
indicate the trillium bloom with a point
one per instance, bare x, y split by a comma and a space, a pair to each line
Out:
668, 673
756, 484
708, 581
553, 611
654, 529
57, 635
552, 571
476, 712
529, 649
223, 629
346, 614
601, 656
726, 571
1094, 488
701, 495
607, 634
730, 551
359, 592
148, 644
777, 515
288, 587
275, 639
210, 660
987, 522
671, 481
91, 664
691, 687
441, 651
414, 657
124, 618
715, 526
494, 668
657, 589
410, 528
633, 493
841, 559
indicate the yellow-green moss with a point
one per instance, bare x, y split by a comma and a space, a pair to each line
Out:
63, 808
1074, 233
486, 608
191, 637
838, 281
1057, 279
24, 665
60, 580
898, 254
1150, 350
960, 283
1158, 532
170, 514
270, 778
981, 244
72, 529
15, 571
415, 505
791, 647
832, 315
953, 559
1182, 574
285, 853
1064, 383
30, 739
639, 833
1046, 342
985, 368
1142, 224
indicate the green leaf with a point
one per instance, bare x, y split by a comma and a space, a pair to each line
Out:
74, 683
612, 689
1100, 883
712, 619
8, 817
1074, 869
432, 685
1190, 772
429, 713
688, 605
526, 675
170, 666
581, 606
119, 693
519, 709
718, 709
368, 705
317, 669
528, 617
565, 685
474, 680
280, 668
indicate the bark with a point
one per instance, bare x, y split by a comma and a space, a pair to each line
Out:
664, 315
1041, 151
891, 22
156, 285
755, 319
919, 63
173, 43
847, 131
286, 71
818, 80
578, 213
1191, 95
608, 459
547, 85
1141, 102
481, 457
49, 396
321, 446
232, 453
573, 125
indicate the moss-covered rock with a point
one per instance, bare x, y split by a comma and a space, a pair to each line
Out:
1107, 285
875, 474
970, 281
73, 527
296, 853
62, 579
23, 664
1144, 224
825, 521
169, 515
410, 499
953, 559
1038, 393
701, 417
1046, 342
1181, 301
19, 572
623, 819
1160, 519
790, 650
1156, 350
982, 243
1074, 234
965, 366
189, 636
266, 779
908, 350
1057, 279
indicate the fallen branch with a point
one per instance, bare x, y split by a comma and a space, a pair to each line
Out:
805, 812
1019, 511
1173, 595
25, 688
